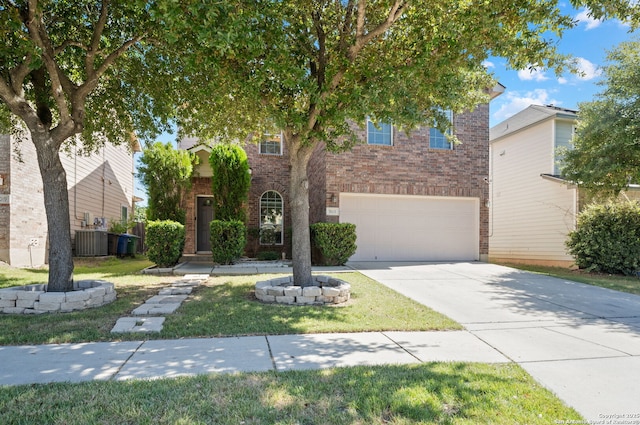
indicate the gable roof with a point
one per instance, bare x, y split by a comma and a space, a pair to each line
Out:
532, 115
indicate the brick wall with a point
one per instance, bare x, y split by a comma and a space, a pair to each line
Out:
5, 167
409, 167
27, 218
269, 172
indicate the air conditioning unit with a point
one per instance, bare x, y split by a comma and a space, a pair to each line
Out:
91, 243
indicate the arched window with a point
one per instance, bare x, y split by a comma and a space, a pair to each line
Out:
271, 218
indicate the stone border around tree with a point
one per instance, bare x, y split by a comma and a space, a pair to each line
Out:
34, 299
325, 291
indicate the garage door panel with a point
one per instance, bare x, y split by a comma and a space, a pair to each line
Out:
393, 227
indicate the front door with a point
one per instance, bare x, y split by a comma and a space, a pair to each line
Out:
204, 216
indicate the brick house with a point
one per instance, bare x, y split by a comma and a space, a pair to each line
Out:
100, 188
413, 196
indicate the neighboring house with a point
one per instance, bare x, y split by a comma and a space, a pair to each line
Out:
100, 189
412, 197
532, 207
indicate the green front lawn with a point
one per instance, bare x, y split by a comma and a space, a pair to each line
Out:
224, 306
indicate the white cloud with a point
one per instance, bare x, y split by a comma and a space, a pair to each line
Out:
591, 23
488, 64
514, 102
588, 70
562, 80
534, 74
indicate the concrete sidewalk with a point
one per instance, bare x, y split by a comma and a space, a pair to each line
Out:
171, 358
246, 268
580, 341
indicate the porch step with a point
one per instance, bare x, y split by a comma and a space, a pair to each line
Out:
196, 258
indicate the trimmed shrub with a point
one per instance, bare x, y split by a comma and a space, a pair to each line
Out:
165, 242
228, 239
607, 238
336, 241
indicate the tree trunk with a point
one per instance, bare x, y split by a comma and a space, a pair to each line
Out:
56, 204
299, 185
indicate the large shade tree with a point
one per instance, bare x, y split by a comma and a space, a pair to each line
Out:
79, 72
606, 148
312, 68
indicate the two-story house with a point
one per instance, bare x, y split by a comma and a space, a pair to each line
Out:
100, 188
532, 207
413, 196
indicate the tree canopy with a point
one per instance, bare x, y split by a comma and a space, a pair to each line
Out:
606, 148
313, 69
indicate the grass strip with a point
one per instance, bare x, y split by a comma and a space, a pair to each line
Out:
628, 284
443, 393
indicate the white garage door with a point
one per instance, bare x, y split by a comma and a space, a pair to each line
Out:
412, 228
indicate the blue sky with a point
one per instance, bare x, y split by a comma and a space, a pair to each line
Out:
589, 41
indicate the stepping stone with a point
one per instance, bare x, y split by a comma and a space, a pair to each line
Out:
166, 299
200, 277
138, 324
186, 290
185, 283
147, 309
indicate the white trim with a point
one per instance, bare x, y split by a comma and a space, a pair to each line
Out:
273, 138
260, 217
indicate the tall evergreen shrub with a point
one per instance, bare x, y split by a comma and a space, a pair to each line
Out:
166, 175
230, 182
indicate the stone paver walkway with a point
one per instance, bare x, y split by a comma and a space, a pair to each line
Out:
166, 302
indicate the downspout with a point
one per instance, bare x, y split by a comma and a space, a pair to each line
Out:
104, 179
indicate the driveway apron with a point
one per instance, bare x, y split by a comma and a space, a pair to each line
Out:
581, 342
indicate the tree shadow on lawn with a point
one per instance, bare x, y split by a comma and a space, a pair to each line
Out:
226, 306
230, 310
93, 324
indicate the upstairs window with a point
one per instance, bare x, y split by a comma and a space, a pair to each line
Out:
438, 139
379, 133
124, 215
271, 145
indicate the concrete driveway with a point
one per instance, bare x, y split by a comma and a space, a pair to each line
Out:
581, 342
